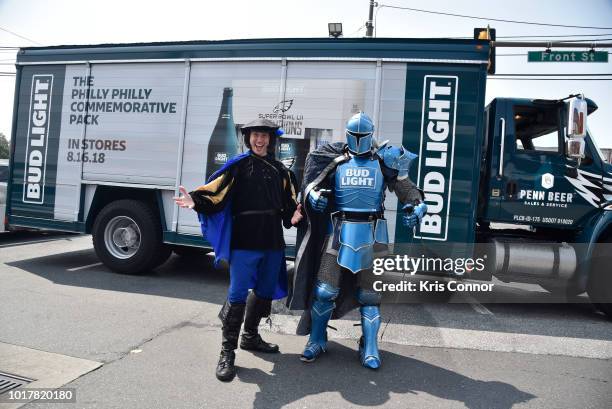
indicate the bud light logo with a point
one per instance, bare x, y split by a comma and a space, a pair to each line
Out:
436, 154
221, 158
358, 177
38, 135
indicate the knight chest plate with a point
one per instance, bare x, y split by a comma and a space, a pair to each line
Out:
359, 186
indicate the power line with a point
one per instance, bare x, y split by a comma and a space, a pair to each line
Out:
582, 40
550, 79
556, 36
556, 75
358, 30
19, 35
594, 40
491, 19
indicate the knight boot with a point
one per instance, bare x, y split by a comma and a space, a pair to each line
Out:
256, 309
231, 316
322, 307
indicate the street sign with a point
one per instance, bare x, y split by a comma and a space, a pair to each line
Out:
567, 56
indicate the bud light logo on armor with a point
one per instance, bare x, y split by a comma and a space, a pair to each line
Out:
358, 177
437, 148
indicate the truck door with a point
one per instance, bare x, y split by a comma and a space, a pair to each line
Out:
532, 173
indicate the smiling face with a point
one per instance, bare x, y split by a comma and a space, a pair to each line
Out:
259, 142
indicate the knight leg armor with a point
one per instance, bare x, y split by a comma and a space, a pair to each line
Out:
370, 324
322, 307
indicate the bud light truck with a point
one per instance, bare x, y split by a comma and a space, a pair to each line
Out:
103, 135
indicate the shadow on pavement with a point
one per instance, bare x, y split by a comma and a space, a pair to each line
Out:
292, 380
192, 278
195, 278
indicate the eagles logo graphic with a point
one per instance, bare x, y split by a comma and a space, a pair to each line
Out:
283, 106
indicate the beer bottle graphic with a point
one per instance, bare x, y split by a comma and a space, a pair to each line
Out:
223, 143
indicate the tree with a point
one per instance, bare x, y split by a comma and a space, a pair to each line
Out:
4, 147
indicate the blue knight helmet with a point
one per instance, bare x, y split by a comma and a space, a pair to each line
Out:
359, 134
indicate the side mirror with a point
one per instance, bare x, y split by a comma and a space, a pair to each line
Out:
574, 148
576, 129
576, 118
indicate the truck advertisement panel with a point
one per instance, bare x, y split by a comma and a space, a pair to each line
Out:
158, 125
38, 129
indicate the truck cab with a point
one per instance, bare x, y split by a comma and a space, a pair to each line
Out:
537, 200
531, 180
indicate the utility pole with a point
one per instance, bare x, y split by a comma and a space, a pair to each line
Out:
369, 23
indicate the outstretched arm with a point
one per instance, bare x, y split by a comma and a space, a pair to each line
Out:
208, 198
395, 165
184, 201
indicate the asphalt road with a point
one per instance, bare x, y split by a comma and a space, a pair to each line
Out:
157, 339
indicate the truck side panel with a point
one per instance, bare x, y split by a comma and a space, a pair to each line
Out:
444, 124
134, 122
37, 138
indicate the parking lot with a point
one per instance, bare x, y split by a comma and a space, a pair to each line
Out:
152, 341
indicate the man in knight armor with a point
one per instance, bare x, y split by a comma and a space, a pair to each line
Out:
343, 193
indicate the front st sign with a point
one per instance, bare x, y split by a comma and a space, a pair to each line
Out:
567, 56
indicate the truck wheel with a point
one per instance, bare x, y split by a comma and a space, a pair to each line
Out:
599, 286
127, 237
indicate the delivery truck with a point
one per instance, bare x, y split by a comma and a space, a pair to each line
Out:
103, 135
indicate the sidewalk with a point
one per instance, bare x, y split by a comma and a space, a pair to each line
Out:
176, 370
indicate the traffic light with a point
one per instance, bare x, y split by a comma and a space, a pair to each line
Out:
487, 33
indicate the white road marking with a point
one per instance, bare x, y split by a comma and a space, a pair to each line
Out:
84, 267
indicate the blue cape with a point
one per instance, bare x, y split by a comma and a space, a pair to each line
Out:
217, 230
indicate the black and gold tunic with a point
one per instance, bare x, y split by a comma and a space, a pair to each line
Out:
262, 192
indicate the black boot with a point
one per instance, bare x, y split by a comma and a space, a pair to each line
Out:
256, 309
231, 316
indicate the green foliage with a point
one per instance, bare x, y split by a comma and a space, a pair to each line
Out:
4, 147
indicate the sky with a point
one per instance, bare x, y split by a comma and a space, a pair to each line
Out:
61, 22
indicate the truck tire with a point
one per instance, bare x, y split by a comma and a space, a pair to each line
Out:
127, 237
599, 287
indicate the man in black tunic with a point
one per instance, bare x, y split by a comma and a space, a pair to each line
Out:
262, 194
